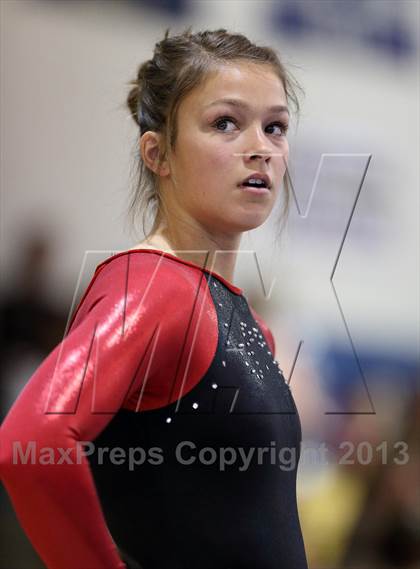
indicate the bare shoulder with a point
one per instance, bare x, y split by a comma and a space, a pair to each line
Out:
141, 245
158, 245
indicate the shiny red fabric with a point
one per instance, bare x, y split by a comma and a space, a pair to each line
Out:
144, 333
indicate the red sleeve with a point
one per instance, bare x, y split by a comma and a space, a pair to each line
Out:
71, 397
265, 330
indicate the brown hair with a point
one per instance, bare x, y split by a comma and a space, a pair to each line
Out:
179, 64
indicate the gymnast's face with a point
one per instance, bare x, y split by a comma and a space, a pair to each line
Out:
219, 144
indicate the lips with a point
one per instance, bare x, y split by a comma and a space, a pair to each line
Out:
257, 176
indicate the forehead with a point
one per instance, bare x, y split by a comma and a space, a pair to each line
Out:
253, 83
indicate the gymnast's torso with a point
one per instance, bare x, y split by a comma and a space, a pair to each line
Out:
197, 468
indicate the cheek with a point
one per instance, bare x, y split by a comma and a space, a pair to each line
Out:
201, 160
284, 159
216, 157
286, 151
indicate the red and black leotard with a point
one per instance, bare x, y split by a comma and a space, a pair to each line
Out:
165, 367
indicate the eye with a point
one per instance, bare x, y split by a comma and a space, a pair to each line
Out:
283, 127
223, 120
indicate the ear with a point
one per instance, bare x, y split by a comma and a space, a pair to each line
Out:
150, 143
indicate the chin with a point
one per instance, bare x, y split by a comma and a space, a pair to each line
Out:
249, 222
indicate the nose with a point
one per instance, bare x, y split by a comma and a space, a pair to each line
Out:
257, 148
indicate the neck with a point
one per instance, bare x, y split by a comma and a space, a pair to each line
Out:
193, 243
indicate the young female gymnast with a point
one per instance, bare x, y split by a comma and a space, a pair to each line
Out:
160, 433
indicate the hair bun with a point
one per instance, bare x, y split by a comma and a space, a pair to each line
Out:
133, 100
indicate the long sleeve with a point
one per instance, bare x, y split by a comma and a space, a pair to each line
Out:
70, 398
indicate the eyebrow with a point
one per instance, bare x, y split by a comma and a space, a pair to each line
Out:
242, 104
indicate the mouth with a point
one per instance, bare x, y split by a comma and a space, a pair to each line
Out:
256, 191
256, 183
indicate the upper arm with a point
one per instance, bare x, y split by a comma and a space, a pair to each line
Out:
85, 380
131, 338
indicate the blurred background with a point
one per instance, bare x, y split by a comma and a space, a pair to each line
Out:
340, 289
